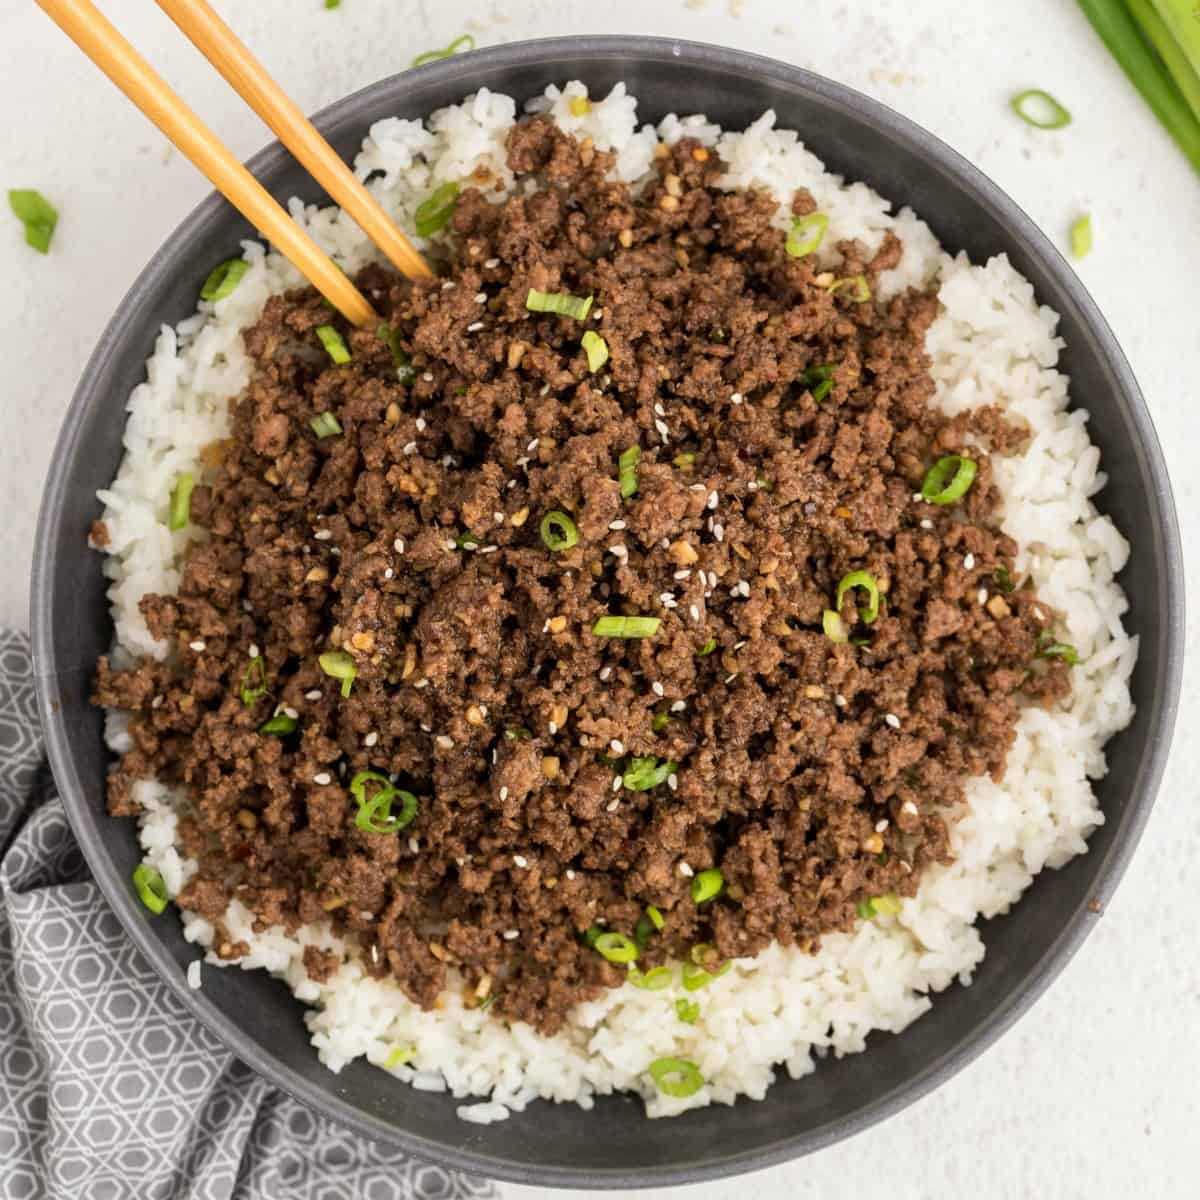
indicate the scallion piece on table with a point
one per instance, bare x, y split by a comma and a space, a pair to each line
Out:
280, 725
181, 501
1147, 71
707, 885
627, 471
151, 889
687, 1010
596, 349
949, 479
626, 627
558, 531
254, 681
1040, 109
559, 302
223, 279
434, 212
642, 774
866, 581
1081, 236
37, 214
465, 42
855, 286
325, 425
653, 980
616, 947
334, 343
806, 234
339, 665
676, 1077
834, 626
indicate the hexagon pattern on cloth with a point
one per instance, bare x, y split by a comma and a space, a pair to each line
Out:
108, 1089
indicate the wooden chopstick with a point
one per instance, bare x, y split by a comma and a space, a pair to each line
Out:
247, 76
85, 25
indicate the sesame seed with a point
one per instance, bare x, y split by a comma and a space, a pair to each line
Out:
718, 532
736, 398
490, 549
679, 706
322, 778
982, 596
420, 424
739, 645
667, 597
414, 845
892, 720
491, 264
520, 860
673, 781
926, 523
617, 746
570, 874
880, 826
712, 579
616, 525
450, 544
731, 677
658, 408
605, 672
909, 807
657, 688
840, 700
445, 741
425, 728
661, 426
481, 297
448, 286
475, 327
398, 545
969, 562
428, 377
686, 871
685, 573
197, 646
511, 935
503, 794
288, 711
374, 953
616, 783
157, 702
553, 727
713, 499
409, 448
612, 805
253, 650
315, 694
388, 573
533, 445
618, 550
697, 487
918, 497
371, 739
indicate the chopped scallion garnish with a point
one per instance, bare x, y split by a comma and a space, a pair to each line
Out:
222, 280
181, 501
656, 918
855, 286
707, 648
1081, 236
653, 980
280, 725
626, 627
339, 665
642, 774
37, 214
818, 381
466, 42
676, 1077
596, 349
1049, 648
887, 905
375, 811
685, 461
1040, 109
399, 1056
707, 885
687, 1010
434, 212
616, 947
866, 581
517, 733
806, 234
834, 626
558, 531
254, 681
627, 471
151, 889
660, 722
334, 343
325, 425
949, 479
559, 302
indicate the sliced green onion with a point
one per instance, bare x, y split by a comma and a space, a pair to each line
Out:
865, 909
151, 889
1003, 580
834, 626
627, 471
434, 212
559, 302
334, 344
333, 4
280, 725
375, 812
866, 581
558, 531
517, 733
656, 918
467, 541
1173, 28
580, 106
37, 214
642, 774
626, 627
616, 947
687, 1010
949, 479
399, 1056
466, 42
696, 974
325, 425
404, 367
181, 501
254, 681
1081, 236
1146, 72
653, 980
591, 934
660, 722
707, 648
707, 885
856, 286
676, 1077
222, 280
339, 665
806, 234
684, 461
596, 349
1049, 648
1040, 109
887, 905
642, 931
819, 381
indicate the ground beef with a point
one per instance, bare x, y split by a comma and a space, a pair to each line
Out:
565, 781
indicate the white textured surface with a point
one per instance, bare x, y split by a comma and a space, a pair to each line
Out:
1094, 1093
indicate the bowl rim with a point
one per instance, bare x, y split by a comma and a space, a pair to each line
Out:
940, 157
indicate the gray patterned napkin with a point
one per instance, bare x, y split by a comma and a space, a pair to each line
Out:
108, 1089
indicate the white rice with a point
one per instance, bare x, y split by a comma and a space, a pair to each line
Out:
992, 343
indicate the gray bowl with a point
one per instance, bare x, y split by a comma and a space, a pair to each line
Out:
615, 1146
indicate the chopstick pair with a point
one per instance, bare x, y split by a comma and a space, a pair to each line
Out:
95, 35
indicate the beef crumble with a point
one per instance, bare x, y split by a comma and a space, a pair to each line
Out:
564, 780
